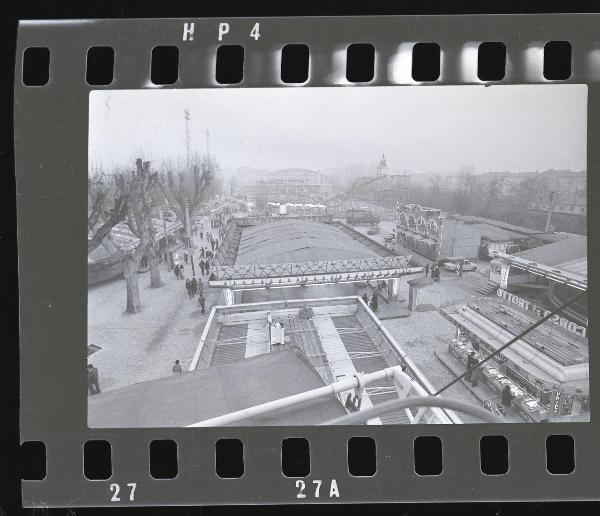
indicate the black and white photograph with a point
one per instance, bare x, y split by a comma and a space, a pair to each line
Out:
324, 256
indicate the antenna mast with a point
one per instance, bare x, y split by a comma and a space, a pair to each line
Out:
188, 138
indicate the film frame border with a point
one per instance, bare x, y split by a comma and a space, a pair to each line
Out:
56, 117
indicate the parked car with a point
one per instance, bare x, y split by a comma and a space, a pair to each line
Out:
390, 238
466, 265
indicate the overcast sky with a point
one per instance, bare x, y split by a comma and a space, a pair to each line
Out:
423, 129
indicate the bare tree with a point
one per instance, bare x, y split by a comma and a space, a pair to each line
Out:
107, 206
191, 184
139, 220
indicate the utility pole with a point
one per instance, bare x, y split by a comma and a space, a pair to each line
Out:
550, 208
188, 138
166, 240
189, 234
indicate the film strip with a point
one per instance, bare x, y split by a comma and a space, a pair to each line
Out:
261, 391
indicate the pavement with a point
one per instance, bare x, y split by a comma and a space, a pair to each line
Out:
143, 346
420, 335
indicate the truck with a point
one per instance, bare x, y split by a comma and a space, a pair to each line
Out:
358, 216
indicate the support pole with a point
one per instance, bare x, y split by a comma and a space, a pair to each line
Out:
189, 235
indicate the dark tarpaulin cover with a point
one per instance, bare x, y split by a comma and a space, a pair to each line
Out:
190, 397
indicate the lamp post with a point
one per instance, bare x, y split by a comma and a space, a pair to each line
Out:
189, 246
550, 209
167, 248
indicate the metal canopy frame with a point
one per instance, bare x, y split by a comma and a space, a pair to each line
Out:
361, 269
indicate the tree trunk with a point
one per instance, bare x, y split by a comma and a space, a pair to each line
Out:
134, 305
153, 261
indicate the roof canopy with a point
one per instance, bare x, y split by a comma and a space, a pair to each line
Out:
187, 398
296, 241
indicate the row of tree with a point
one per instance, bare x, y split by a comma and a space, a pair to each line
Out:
134, 198
502, 196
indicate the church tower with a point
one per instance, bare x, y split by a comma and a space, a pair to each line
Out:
382, 168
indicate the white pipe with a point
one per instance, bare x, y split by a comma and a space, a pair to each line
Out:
202, 340
322, 392
445, 417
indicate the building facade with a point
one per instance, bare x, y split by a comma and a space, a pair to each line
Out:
427, 232
290, 185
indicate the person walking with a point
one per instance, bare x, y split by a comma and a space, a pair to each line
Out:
470, 362
201, 264
177, 367
194, 286
200, 286
181, 275
507, 396
185, 257
212, 244
201, 301
176, 271
349, 404
202, 252
374, 302
201, 235
426, 270
93, 385
475, 370
188, 287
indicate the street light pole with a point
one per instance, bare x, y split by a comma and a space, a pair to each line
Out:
550, 208
190, 250
166, 240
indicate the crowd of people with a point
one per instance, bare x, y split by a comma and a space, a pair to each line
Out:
435, 272
372, 302
194, 285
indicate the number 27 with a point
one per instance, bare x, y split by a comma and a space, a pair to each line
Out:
116, 489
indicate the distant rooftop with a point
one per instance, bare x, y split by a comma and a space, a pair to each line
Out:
569, 254
522, 231
497, 234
